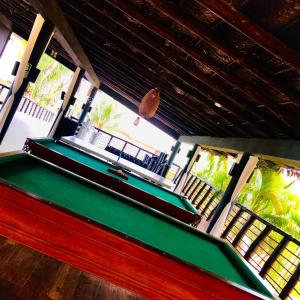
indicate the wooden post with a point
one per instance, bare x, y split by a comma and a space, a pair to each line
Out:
193, 155
39, 38
175, 150
240, 174
68, 99
87, 105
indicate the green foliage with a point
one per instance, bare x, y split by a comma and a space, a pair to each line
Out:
214, 169
269, 195
50, 81
104, 115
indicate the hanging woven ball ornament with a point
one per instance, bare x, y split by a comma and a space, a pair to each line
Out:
150, 103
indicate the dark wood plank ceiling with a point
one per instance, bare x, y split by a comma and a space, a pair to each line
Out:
244, 57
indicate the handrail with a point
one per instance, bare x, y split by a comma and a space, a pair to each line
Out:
274, 254
32, 108
171, 174
126, 142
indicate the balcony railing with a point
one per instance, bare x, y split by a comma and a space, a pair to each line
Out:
274, 254
29, 107
33, 109
106, 139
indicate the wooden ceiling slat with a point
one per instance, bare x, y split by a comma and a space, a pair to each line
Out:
164, 85
121, 56
207, 93
51, 10
168, 115
203, 32
166, 44
178, 110
243, 86
251, 113
240, 22
104, 33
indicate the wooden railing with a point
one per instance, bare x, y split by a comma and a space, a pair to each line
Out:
33, 109
29, 107
274, 254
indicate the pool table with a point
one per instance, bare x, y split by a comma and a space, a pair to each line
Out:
117, 238
97, 170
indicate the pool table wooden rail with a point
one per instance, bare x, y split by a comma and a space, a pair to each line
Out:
106, 253
111, 182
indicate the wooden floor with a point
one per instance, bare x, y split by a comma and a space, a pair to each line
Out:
26, 274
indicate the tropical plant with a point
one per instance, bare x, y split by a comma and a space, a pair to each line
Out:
51, 81
270, 196
268, 192
104, 115
214, 169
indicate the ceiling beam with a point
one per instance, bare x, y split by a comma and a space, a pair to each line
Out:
5, 22
50, 10
203, 32
241, 108
175, 111
136, 58
146, 46
101, 31
243, 86
266, 40
282, 152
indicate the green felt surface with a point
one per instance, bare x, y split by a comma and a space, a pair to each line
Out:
128, 217
103, 167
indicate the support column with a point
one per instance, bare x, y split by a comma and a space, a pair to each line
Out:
175, 150
193, 155
39, 38
240, 173
86, 108
68, 100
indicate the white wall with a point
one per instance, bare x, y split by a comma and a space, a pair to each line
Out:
21, 127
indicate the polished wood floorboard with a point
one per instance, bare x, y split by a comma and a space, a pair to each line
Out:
26, 274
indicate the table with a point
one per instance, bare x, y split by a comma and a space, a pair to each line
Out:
74, 220
121, 162
135, 187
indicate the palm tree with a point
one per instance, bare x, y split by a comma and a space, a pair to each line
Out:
214, 170
50, 82
268, 195
105, 115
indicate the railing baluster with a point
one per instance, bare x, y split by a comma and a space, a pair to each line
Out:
256, 242
242, 231
273, 256
187, 193
231, 224
199, 193
211, 214
204, 197
290, 284
209, 202
27, 100
187, 184
195, 188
